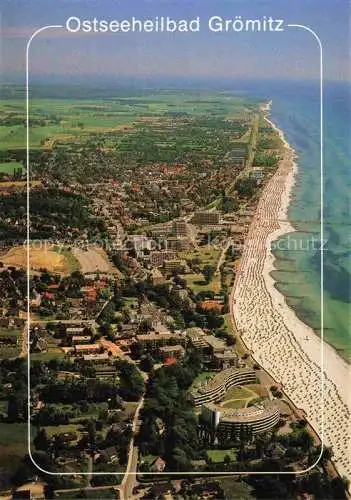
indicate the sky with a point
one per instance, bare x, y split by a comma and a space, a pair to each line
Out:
57, 54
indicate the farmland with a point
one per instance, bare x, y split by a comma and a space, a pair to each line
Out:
54, 121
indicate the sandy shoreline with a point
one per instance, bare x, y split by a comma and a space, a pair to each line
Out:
285, 346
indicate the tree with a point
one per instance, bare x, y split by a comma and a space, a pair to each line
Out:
179, 461
246, 186
92, 433
208, 272
41, 441
146, 363
306, 440
14, 407
131, 382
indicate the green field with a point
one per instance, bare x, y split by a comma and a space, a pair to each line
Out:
236, 404
72, 262
13, 445
217, 456
9, 166
52, 353
10, 333
197, 283
56, 429
68, 119
239, 397
8, 343
238, 393
93, 494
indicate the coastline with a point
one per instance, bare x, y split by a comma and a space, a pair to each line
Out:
285, 346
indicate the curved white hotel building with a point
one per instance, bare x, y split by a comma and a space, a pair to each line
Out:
259, 418
215, 389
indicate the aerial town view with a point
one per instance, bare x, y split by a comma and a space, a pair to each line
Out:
162, 334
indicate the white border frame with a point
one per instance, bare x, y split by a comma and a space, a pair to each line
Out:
126, 474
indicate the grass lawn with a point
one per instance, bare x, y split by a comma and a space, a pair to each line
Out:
56, 429
8, 167
130, 303
3, 406
228, 323
207, 254
129, 408
236, 404
13, 446
71, 262
13, 433
9, 352
260, 390
9, 349
230, 329
13, 332
237, 393
52, 353
217, 456
148, 459
91, 493
92, 412
197, 283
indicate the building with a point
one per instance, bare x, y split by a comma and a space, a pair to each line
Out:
215, 389
174, 266
75, 331
96, 358
81, 339
212, 305
158, 258
225, 359
207, 217
171, 351
178, 243
87, 348
157, 340
180, 228
161, 231
109, 455
257, 418
158, 465
139, 242
214, 350
127, 330
238, 156
196, 337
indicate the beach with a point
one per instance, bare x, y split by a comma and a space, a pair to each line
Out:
285, 346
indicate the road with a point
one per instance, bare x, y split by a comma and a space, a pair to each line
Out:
90, 469
129, 479
222, 256
24, 341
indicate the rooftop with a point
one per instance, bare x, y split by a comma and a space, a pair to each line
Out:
219, 379
248, 414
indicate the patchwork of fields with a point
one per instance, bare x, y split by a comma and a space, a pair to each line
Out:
55, 121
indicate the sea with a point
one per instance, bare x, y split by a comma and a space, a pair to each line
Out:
296, 111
